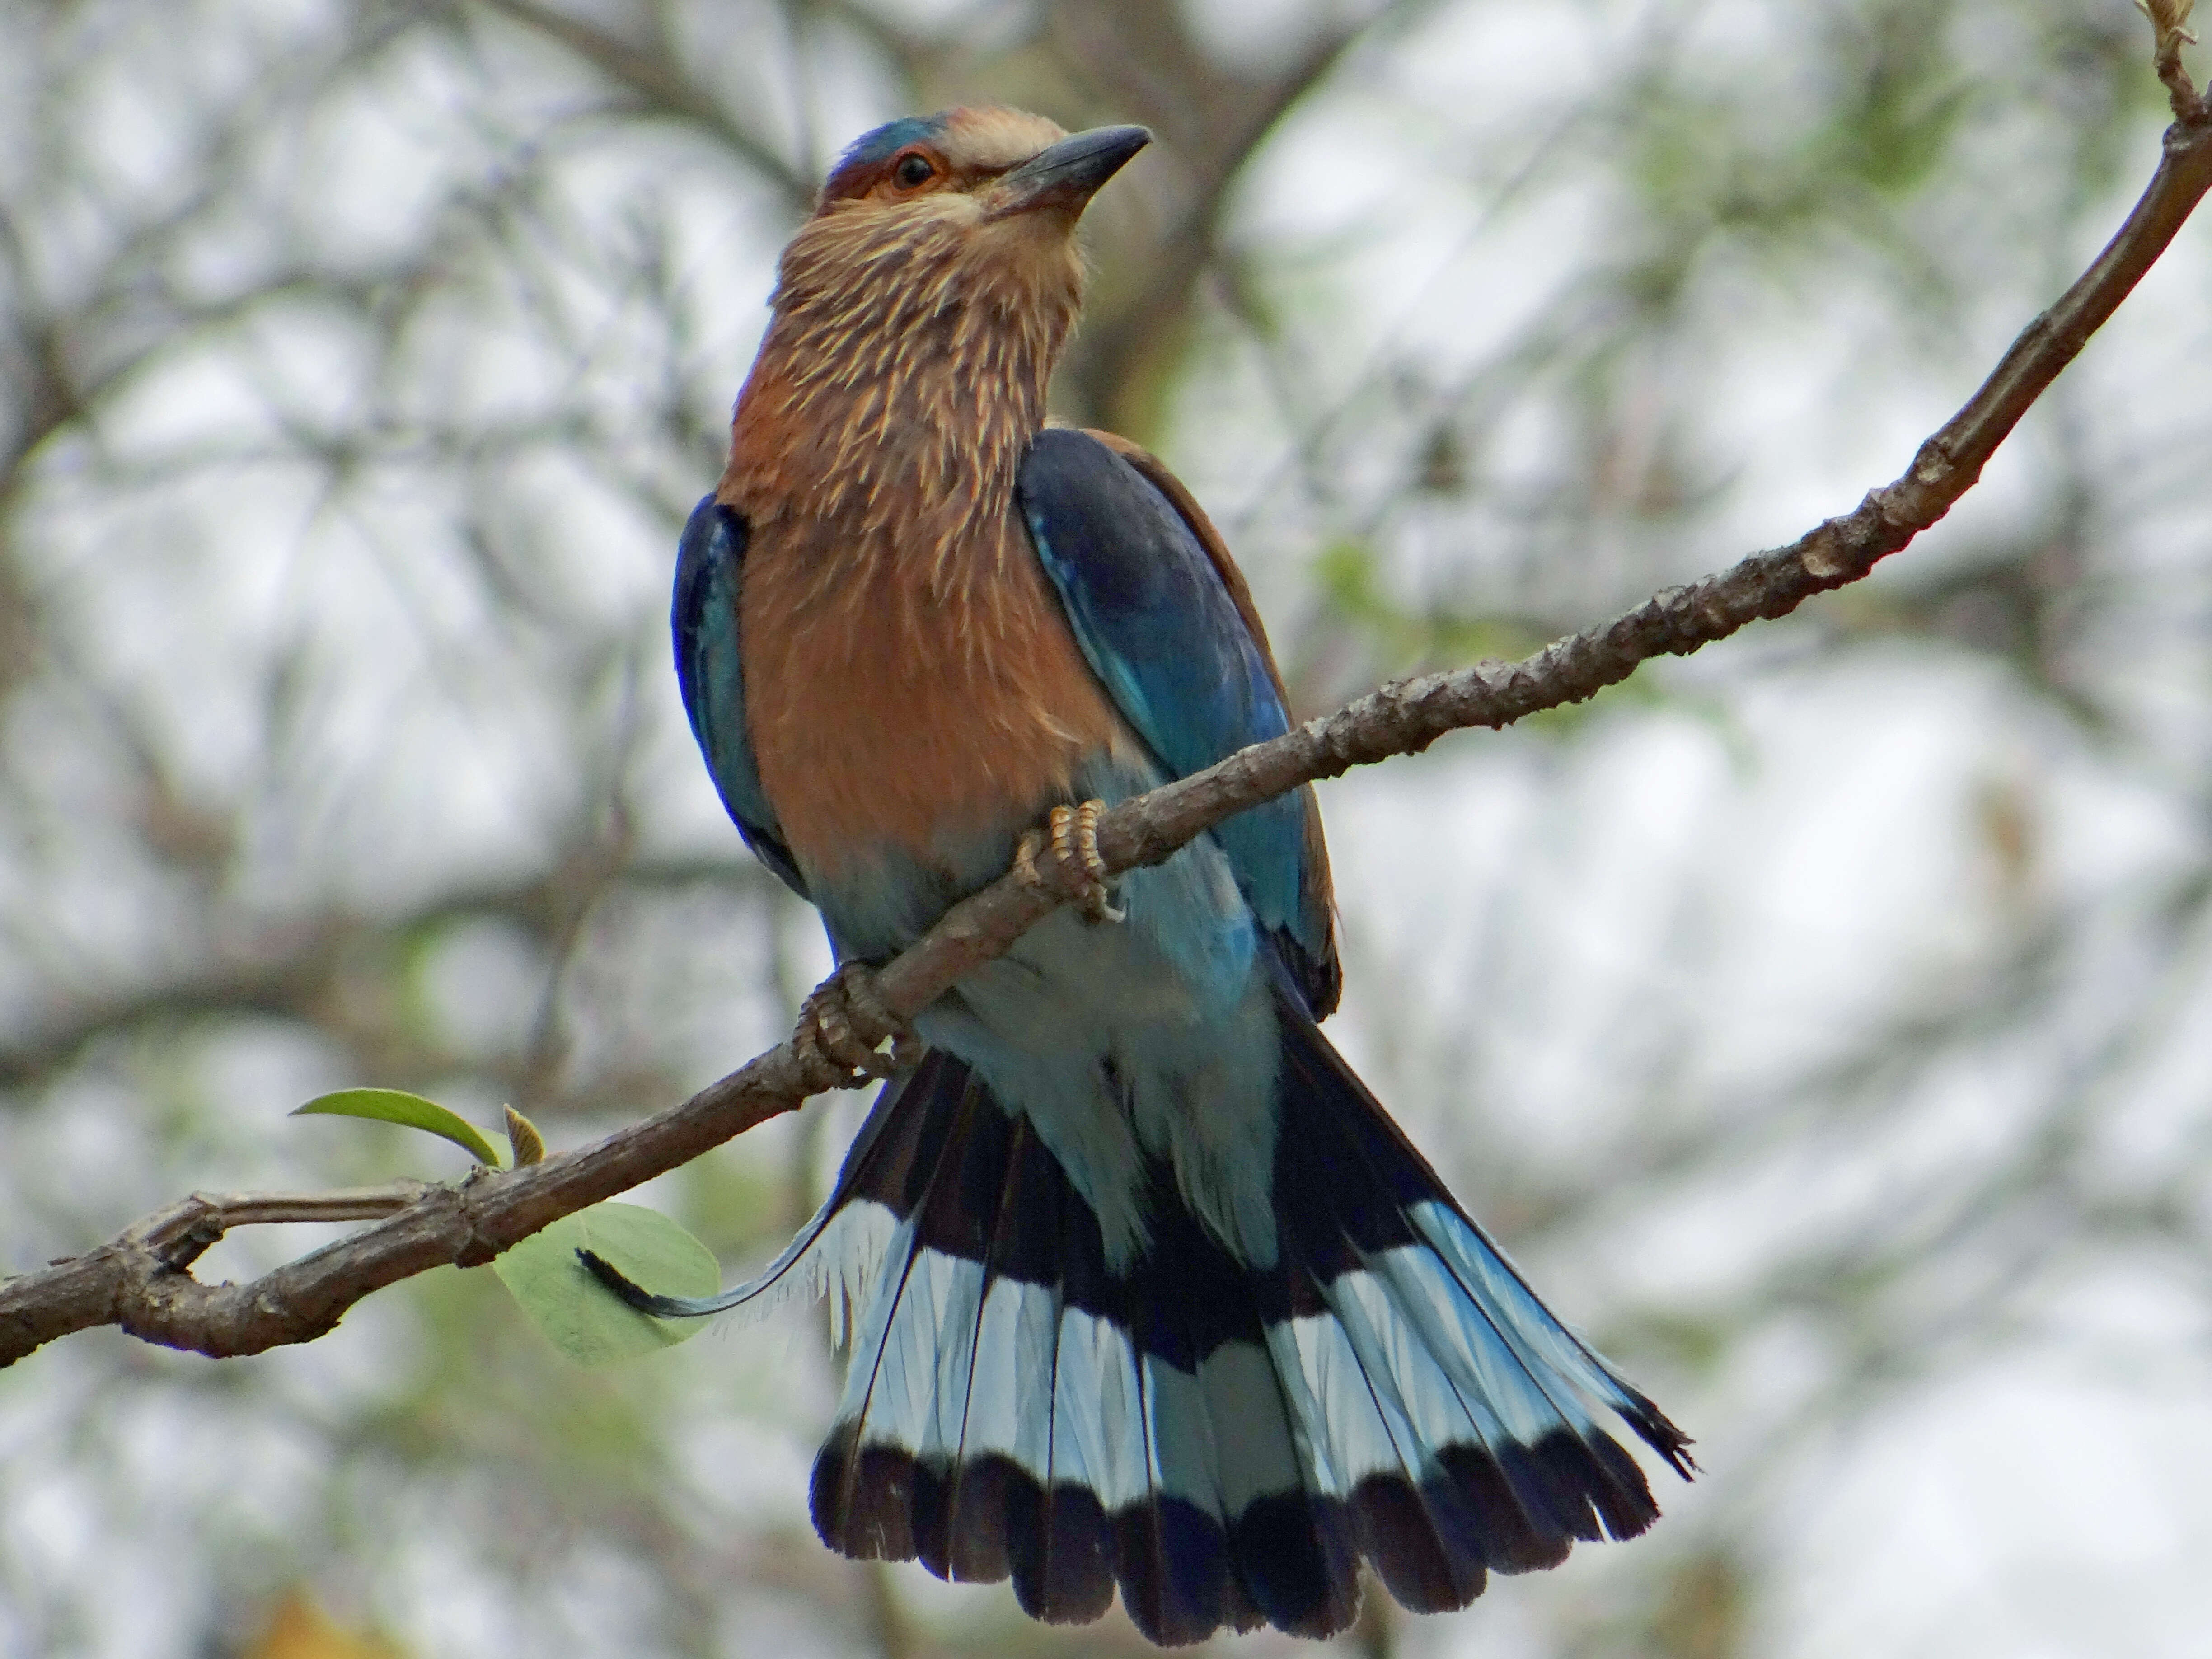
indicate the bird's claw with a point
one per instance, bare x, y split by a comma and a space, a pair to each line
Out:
1078, 871
841, 1026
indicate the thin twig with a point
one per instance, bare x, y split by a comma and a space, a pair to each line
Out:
2169, 22
138, 1280
179, 1234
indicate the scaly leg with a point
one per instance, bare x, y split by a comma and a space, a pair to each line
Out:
1078, 872
840, 1025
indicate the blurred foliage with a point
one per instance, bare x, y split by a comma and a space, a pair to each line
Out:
300, 1630
1822, 1021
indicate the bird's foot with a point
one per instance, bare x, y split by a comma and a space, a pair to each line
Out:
841, 1026
1078, 872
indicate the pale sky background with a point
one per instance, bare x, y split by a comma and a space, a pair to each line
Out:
1851, 913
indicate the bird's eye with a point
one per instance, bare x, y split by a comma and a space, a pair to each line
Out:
912, 171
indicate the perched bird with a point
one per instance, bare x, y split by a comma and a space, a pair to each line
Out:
1146, 1289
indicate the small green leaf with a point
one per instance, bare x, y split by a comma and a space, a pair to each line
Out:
579, 1316
398, 1106
522, 1135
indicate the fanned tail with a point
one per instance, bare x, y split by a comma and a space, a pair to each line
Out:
1464, 1418
1222, 1442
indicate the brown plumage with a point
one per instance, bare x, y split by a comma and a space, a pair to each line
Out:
873, 455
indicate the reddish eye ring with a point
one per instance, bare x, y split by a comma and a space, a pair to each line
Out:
912, 169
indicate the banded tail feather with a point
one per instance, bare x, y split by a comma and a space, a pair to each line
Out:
1222, 1442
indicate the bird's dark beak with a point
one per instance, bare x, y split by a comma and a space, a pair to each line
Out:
1066, 175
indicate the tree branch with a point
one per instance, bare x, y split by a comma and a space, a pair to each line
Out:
141, 1281
660, 85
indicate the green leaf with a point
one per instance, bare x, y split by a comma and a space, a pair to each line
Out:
398, 1106
579, 1316
522, 1135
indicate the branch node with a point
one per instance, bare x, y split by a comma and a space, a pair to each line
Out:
476, 1249
2169, 21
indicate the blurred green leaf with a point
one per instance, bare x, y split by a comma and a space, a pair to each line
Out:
398, 1106
1901, 96
579, 1316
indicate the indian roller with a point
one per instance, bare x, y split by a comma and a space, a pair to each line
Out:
1145, 1289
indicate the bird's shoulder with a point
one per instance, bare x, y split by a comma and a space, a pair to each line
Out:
1166, 621
1155, 472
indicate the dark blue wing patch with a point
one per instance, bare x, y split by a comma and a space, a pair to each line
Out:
1166, 640
703, 618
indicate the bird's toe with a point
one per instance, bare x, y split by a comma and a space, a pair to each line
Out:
1076, 871
841, 1026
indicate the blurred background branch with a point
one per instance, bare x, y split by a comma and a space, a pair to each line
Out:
1822, 1021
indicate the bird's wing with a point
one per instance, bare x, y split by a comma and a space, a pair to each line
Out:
704, 619
1166, 622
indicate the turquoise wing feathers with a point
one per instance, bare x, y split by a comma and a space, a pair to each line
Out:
1159, 612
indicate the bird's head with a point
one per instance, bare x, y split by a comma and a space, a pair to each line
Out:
917, 317
978, 169
922, 217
